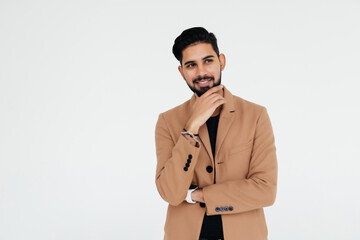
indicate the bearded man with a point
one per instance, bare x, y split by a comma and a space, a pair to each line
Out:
216, 154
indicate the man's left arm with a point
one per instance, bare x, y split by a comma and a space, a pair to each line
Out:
259, 188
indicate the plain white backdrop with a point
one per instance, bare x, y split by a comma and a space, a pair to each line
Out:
82, 84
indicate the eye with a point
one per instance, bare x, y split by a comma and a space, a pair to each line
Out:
190, 65
208, 60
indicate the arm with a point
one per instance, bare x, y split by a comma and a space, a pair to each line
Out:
173, 176
259, 188
176, 161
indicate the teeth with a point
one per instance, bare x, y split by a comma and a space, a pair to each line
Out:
204, 81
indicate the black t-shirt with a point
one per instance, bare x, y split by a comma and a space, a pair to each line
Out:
212, 225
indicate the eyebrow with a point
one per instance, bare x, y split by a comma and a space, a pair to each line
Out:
208, 56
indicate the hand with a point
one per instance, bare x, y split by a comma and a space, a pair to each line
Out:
197, 196
204, 107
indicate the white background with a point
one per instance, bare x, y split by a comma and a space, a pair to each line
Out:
82, 84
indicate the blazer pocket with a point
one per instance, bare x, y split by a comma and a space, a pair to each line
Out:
241, 147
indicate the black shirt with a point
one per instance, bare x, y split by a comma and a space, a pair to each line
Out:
212, 225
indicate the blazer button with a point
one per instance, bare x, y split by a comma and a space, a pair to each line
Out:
187, 164
189, 160
217, 209
222, 209
202, 204
231, 208
209, 169
185, 169
226, 208
190, 156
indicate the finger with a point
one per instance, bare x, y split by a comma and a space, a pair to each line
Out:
218, 103
212, 90
214, 97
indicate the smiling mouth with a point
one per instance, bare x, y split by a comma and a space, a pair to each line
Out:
203, 83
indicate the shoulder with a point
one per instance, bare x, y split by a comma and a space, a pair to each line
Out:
245, 106
177, 112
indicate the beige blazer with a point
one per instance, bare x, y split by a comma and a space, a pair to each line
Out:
245, 169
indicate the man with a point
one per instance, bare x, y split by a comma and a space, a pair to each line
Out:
216, 156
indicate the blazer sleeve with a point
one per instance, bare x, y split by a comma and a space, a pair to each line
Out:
258, 189
176, 162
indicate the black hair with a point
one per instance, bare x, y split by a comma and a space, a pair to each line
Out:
193, 36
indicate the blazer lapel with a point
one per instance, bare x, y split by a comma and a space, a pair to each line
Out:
225, 121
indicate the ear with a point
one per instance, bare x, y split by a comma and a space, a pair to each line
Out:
181, 71
222, 61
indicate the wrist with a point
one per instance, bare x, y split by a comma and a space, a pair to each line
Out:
189, 198
192, 127
197, 195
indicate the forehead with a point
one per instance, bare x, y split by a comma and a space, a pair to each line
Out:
197, 52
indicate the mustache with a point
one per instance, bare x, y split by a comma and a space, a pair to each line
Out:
203, 78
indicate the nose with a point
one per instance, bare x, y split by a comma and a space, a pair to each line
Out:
201, 71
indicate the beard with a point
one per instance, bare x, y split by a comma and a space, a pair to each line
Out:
204, 89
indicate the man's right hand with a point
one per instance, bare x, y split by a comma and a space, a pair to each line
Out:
203, 108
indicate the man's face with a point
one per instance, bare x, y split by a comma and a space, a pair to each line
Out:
201, 67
